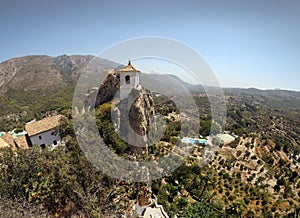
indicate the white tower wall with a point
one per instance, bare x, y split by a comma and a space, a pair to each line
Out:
129, 79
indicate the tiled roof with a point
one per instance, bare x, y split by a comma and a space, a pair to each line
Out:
129, 68
8, 139
3, 143
21, 142
43, 125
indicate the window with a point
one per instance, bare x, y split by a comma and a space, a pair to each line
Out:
54, 142
127, 79
43, 146
40, 137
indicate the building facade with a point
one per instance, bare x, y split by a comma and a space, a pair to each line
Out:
43, 133
129, 79
45, 138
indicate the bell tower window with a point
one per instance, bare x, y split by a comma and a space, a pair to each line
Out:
127, 79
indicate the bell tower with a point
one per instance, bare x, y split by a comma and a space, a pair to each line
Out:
129, 79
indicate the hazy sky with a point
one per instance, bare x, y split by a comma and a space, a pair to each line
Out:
247, 43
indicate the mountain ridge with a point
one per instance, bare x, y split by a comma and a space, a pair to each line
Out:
42, 72
26, 81
74, 64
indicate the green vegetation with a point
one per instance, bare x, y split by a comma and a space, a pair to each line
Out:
23, 106
59, 181
107, 131
62, 183
200, 209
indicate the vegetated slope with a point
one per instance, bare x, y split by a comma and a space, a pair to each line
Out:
33, 85
42, 72
258, 174
272, 98
252, 177
27, 81
35, 73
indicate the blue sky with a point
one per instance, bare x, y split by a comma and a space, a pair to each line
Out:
247, 43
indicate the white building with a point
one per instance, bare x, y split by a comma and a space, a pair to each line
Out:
42, 132
129, 79
153, 210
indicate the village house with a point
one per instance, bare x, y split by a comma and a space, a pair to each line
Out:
150, 210
10, 140
3, 143
21, 142
43, 132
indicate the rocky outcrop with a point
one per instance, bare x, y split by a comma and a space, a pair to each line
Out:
108, 89
132, 117
135, 119
141, 111
105, 93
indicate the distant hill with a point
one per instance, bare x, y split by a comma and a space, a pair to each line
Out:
273, 98
38, 83
42, 72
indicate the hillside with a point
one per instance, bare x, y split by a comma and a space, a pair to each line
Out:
40, 72
257, 175
34, 78
31, 86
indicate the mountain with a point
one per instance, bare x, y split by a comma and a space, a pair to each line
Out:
33, 85
41, 72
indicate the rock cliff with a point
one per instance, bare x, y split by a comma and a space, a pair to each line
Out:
132, 117
105, 93
135, 115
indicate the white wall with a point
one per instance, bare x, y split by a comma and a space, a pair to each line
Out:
125, 89
47, 138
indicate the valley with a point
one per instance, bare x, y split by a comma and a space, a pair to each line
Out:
256, 175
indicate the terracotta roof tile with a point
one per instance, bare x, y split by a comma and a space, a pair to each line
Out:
3, 143
9, 139
43, 125
21, 142
129, 68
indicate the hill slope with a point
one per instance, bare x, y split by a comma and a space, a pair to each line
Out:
43, 72
29, 82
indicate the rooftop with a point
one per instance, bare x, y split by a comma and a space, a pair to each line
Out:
3, 143
225, 138
129, 68
21, 142
34, 128
155, 211
8, 141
